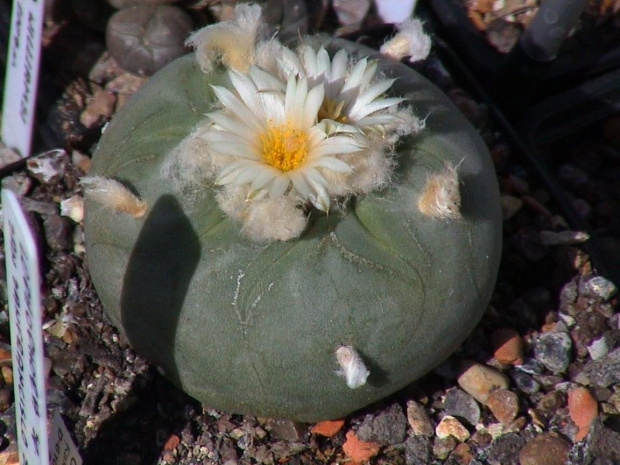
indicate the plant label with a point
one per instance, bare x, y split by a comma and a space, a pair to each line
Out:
22, 72
23, 287
63, 449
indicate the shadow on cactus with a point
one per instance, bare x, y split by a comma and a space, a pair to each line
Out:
281, 232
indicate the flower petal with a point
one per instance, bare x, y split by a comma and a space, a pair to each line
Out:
334, 164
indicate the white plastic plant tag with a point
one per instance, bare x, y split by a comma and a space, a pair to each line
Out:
63, 449
22, 275
395, 11
22, 72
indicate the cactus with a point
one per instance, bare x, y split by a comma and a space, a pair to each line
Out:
367, 299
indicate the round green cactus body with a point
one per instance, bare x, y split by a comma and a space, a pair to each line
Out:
254, 328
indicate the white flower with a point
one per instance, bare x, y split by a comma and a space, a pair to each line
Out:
353, 94
267, 137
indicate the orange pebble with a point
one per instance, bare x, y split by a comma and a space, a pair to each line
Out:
327, 428
507, 346
172, 442
358, 450
583, 409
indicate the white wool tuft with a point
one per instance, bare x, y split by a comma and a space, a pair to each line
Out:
113, 195
271, 219
352, 367
410, 41
441, 197
231, 42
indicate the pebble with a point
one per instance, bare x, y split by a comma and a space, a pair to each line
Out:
5, 354
7, 374
10, 455
50, 167
504, 405
479, 380
418, 450
462, 454
507, 346
358, 450
172, 442
510, 206
58, 233
327, 428
605, 439
599, 347
19, 183
524, 382
545, 449
603, 372
442, 447
81, 161
563, 237
601, 287
286, 429
351, 12
550, 402
37, 206
554, 351
461, 405
73, 207
418, 419
505, 449
6, 398
387, 427
583, 409
450, 426
532, 367
7, 155
99, 108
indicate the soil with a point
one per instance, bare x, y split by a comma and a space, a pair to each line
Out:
561, 403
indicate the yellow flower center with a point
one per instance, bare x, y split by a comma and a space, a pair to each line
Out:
331, 109
283, 147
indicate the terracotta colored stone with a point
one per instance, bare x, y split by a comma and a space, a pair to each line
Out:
504, 405
5, 356
583, 409
9, 456
479, 380
327, 428
462, 454
507, 346
172, 442
545, 449
450, 426
358, 450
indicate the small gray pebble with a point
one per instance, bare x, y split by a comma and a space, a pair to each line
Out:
599, 347
418, 450
386, 427
463, 406
604, 372
601, 287
554, 351
524, 381
58, 233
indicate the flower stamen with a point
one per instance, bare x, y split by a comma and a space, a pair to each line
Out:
284, 147
333, 110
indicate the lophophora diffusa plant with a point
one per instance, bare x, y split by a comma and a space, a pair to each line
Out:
292, 232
